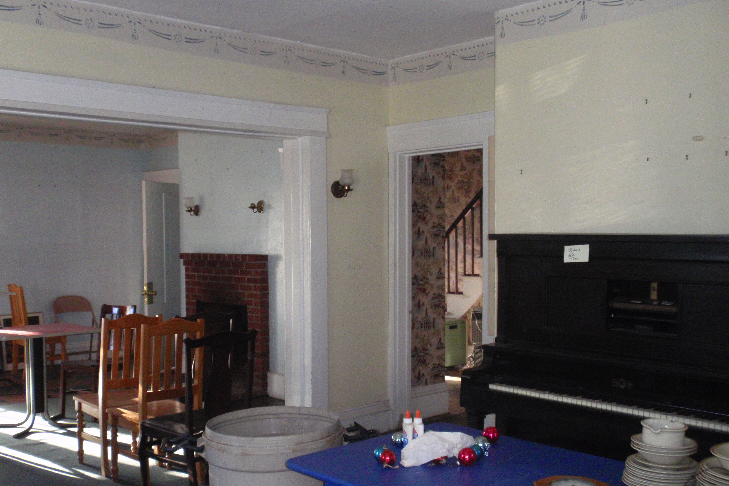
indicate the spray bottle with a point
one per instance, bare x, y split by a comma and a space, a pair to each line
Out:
418, 428
407, 428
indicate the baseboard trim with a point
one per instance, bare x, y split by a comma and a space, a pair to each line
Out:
431, 400
276, 385
375, 416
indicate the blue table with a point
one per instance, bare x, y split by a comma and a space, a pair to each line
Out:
510, 462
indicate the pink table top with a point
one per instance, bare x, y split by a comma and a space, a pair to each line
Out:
45, 330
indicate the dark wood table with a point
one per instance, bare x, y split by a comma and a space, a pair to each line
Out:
36, 394
511, 462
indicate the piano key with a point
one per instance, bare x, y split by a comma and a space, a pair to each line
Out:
703, 420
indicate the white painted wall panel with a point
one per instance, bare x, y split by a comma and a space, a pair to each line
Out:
70, 223
227, 173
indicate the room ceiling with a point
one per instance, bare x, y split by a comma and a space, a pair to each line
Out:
385, 29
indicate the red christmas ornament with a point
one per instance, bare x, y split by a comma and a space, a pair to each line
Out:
388, 458
467, 456
491, 434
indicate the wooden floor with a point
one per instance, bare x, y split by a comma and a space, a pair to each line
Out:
48, 455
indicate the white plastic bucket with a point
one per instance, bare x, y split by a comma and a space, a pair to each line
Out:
251, 447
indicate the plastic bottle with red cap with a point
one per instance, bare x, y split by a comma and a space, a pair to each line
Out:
407, 428
418, 427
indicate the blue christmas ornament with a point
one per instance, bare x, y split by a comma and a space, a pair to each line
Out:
398, 439
484, 444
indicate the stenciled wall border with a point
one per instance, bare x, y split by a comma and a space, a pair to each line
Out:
550, 17
531, 20
20, 132
148, 30
443, 62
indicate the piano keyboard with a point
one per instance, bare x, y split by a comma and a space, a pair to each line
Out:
691, 421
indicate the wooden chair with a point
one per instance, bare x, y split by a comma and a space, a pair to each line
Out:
219, 321
76, 303
170, 432
118, 380
20, 318
161, 384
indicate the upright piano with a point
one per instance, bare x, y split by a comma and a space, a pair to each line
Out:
597, 332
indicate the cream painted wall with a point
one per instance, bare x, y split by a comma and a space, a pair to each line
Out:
358, 307
595, 127
461, 94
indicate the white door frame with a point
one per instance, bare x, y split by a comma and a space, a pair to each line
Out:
404, 141
304, 186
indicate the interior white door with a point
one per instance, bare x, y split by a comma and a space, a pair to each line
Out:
161, 247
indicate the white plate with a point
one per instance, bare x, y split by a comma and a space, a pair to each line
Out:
702, 480
711, 470
636, 441
635, 461
661, 476
631, 479
686, 462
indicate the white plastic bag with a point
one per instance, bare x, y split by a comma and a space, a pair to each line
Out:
434, 445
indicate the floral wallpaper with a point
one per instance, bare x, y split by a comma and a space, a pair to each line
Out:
442, 185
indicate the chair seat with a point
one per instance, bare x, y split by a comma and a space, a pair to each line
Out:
175, 424
116, 398
129, 413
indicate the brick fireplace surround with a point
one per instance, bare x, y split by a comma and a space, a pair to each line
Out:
233, 279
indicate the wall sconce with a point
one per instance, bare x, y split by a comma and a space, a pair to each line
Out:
341, 187
256, 207
191, 207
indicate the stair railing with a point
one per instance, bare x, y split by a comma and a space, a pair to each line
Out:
464, 244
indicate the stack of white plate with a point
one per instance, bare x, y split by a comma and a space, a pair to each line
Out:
660, 466
711, 473
640, 472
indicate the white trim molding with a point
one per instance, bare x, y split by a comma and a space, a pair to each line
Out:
203, 40
305, 228
404, 141
431, 400
305, 262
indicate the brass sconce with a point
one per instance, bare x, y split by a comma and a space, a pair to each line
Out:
256, 207
343, 186
191, 207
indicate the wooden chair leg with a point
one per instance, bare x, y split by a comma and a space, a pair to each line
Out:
144, 459
114, 449
80, 432
103, 439
191, 467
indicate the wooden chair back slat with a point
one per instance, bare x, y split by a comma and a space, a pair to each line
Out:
120, 342
161, 362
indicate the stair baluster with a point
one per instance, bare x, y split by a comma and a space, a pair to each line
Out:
465, 231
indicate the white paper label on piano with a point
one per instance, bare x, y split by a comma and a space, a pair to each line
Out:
577, 253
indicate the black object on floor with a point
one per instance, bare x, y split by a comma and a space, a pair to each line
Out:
359, 433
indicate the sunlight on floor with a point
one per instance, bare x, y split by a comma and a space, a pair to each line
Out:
46, 433
34, 461
51, 450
